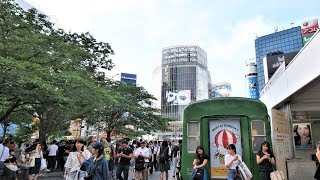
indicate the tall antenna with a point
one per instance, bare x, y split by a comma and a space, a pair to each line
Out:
292, 24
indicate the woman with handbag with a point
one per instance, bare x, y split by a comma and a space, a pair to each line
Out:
199, 163
265, 160
97, 165
232, 160
72, 166
35, 154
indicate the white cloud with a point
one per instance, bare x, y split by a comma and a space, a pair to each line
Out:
228, 54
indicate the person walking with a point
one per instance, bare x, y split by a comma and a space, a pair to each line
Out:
52, 156
142, 153
164, 160
72, 165
35, 152
97, 165
124, 154
265, 160
232, 160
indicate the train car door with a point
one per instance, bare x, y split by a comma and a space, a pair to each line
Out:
222, 132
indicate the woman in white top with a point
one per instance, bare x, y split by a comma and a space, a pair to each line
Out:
72, 165
232, 160
34, 153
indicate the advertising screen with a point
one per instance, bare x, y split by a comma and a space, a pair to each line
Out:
178, 97
222, 133
273, 62
129, 78
253, 89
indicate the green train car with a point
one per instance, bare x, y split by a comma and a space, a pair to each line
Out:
218, 122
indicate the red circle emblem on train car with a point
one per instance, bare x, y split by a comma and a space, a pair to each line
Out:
224, 138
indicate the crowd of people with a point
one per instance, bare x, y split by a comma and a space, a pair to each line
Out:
98, 159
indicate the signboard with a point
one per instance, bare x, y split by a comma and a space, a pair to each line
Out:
309, 27
272, 63
178, 97
222, 133
306, 38
253, 89
129, 78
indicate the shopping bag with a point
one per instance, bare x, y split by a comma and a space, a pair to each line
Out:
43, 164
245, 171
277, 175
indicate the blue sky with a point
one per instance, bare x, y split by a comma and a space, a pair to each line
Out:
138, 30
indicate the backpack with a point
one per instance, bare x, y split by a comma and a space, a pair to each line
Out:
108, 152
164, 155
139, 163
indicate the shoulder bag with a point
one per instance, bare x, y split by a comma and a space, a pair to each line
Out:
276, 175
92, 173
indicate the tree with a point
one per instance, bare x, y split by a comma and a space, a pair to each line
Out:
45, 73
133, 109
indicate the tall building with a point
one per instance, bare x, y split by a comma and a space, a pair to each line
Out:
285, 41
221, 90
185, 79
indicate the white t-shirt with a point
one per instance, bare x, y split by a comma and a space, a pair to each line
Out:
145, 152
228, 158
52, 150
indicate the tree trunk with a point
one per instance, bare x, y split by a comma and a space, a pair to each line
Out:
43, 129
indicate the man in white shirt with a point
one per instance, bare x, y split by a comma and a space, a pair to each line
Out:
144, 152
4, 155
52, 156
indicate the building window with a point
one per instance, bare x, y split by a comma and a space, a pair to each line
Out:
258, 134
193, 135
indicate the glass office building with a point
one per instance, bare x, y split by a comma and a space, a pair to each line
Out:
287, 41
185, 79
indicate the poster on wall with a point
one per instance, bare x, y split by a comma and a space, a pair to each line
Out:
302, 136
222, 133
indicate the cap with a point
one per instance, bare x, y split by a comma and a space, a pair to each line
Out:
98, 145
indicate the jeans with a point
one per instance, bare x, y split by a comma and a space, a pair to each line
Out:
174, 165
125, 169
231, 173
72, 175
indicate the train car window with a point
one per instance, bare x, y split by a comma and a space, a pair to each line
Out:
258, 134
193, 132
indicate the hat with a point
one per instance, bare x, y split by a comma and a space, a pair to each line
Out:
143, 142
98, 145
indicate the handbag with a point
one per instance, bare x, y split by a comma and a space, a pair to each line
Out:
43, 164
12, 167
276, 175
245, 172
199, 174
31, 162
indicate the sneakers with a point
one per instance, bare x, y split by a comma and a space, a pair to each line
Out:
47, 170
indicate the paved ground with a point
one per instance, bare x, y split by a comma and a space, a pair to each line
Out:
58, 175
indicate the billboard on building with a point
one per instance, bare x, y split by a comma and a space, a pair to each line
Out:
178, 97
129, 78
253, 90
272, 63
308, 29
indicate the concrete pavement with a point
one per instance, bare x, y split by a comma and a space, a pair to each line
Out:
58, 175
